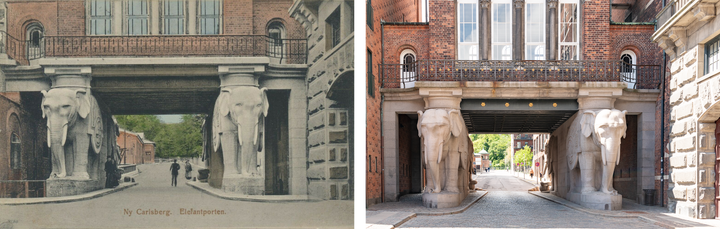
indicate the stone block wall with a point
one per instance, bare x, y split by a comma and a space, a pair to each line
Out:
694, 100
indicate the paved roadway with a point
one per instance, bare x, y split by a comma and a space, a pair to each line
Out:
508, 204
155, 193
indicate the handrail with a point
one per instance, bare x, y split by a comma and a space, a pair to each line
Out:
402, 75
9, 187
292, 51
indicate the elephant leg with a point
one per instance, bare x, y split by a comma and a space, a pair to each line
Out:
434, 172
451, 171
80, 147
587, 172
58, 164
230, 153
606, 186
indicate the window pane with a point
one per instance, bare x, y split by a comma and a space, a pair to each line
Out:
468, 52
501, 23
209, 17
467, 22
535, 23
568, 52
502, 52
535, 52
568, 23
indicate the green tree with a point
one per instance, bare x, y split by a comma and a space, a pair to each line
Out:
495, 144
524, 156
182, 139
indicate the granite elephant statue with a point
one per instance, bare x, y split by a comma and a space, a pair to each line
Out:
444, 139
238, 128
593, 141
75, 127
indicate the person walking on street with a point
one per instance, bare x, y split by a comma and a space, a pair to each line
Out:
175, 167
188, 170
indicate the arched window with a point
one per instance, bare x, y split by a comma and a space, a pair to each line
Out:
539, 52
506, 53
276, 33
627, 68
15, 151
34, 40
407, 73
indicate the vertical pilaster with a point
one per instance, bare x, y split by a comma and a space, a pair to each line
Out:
117, 18
484, 38
518, 28
154, 17
551, 33
192, 17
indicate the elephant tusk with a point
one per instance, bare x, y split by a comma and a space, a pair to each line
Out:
240, 141
49, 143
64, 136
255, 138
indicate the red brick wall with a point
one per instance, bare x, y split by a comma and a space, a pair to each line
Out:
401, 37
71, 18
149, 159
595, 30
390, 11
20, 14
637, 39
238, 17
442, 29
267, 10
133, 148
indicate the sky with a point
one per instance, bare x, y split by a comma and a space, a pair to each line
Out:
170, 118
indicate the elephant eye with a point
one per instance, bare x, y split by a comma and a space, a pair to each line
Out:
46, 107
259, 105
66, 106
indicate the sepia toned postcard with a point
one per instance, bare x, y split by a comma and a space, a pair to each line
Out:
176, 114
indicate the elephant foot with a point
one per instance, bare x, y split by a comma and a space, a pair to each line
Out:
58, 175
81, 176
453, 189
610, 191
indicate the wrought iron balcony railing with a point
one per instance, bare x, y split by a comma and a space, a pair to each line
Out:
404, 75
292, 51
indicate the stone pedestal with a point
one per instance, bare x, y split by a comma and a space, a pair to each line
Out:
443, 199
254, 185
67, 187
596, 200
545, 186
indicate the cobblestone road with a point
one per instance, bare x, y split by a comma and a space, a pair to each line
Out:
134, 208
508, 204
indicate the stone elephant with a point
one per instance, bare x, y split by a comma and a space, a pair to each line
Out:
239, 126
445, 142
75, 127
593, 141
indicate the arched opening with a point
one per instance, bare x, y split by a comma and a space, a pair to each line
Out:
34, 40
627, 69
506, 53
276, 34
407, 73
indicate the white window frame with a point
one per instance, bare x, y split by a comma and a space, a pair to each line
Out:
127, 17
164, 17
201, 17
407, 79
527, 27
493, 28
108, 19
473, 45
577, 29
631, 74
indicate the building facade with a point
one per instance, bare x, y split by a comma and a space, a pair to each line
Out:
513, 67
688, 34
187, 56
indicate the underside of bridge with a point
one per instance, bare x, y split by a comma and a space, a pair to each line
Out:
516, 115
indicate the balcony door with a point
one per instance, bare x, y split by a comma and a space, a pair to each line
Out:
627, 71
408, 70
34, 42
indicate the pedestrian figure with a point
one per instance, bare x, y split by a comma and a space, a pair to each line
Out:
175, 167
531, 174
188, 169
111, 179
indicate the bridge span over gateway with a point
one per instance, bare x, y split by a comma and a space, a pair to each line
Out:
521, 107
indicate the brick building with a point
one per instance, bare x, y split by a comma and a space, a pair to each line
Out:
182, 56
479, 54
24, 155
135, 149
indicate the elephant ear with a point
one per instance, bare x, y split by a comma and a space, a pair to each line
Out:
624, 127
83, 103
419, 124
265, 104
586, 123
222, 102
456, 123
221, 110
44, 93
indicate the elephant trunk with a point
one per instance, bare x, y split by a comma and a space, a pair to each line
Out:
248, 141
57, 136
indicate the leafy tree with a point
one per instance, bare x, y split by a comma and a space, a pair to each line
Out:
494, 144
524, 156
182, 139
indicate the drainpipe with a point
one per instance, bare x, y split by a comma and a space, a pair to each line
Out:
662, 134
382, 99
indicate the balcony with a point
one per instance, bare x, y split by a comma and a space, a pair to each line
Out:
290, 51
404, 75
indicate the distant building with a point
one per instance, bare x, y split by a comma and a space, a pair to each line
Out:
134, 149
482, 160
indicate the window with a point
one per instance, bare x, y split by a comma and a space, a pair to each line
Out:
15, 151
712, 55
568, 34
369, 15
518, 145
376, 167
100, 17
35, 41
208, 17
627, 70
467, 30
407, 73
535, 30
137, 17
369, 163
276, 33
501, 30
370, 76
333, 28
173, 17
423, 11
